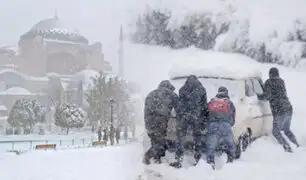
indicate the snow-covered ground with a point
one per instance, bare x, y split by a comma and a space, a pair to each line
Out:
72, 140
120, 162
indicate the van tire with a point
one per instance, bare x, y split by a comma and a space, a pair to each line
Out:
238, 149
244, 141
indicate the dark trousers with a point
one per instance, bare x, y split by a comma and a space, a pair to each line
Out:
158, 147
282, 122
189, 121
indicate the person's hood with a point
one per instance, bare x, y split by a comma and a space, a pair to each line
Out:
192, 81
166, 84
273, 72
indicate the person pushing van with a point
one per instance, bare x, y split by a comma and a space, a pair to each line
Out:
222, 113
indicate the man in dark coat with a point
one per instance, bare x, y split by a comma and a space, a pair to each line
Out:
222, 114
276, 94
157, 112
192, 112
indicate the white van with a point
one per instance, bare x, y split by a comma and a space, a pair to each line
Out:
242, 77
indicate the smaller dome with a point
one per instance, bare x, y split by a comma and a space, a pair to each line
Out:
16, 91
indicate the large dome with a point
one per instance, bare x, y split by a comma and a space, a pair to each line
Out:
55, 29
53, 24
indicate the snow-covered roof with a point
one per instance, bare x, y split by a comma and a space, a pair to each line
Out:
9, 70
3, 108
12, 66
25, 76
16, 91
10, 48
214, 64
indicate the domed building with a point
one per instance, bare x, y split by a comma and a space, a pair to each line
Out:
49, 58
51, 47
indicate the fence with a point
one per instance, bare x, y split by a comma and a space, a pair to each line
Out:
19, 146
27, 145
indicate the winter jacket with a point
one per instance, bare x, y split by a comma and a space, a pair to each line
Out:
226, 115
276, 93
193, 98
158, 105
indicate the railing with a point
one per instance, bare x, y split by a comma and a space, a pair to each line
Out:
27, 145
20, 146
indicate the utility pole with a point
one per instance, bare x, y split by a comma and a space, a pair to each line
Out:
120, 53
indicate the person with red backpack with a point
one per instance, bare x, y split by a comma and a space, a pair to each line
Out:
221, 118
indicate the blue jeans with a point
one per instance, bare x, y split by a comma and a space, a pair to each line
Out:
217, 134
282, 122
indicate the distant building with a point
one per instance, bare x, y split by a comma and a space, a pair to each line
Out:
51, 47
51, 63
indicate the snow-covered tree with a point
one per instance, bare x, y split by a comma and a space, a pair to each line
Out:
98, 97
198, 29
151, 28
124, 109
26, 113
69, 116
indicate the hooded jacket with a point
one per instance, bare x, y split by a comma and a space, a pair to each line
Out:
193, 97
161, 101
276, 93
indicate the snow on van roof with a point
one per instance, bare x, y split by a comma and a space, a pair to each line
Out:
214, 64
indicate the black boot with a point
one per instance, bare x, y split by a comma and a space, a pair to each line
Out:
230, 159
157, 160
197, 157
211, 161
287, 148
176, 164
146, 160
147, 157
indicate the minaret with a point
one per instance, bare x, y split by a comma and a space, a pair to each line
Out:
55, 14
121, 63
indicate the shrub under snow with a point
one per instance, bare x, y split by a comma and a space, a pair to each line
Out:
26, 113
69, 116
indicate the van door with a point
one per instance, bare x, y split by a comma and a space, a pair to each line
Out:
264, 106
255, 122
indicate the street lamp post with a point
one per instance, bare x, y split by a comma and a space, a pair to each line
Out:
112, 122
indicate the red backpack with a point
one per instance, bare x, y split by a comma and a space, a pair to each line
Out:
219, 105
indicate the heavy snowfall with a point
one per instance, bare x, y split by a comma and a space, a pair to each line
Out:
159, 35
